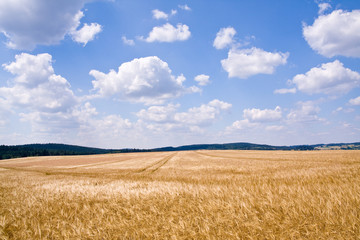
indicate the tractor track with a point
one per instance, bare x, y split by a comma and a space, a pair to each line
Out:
155, 166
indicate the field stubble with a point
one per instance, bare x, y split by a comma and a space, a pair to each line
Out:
183, 195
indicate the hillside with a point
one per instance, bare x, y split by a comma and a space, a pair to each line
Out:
54, 149
234, 146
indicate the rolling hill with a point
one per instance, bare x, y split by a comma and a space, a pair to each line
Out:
54, 149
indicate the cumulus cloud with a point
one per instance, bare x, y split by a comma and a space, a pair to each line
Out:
335, 34
157, 14
224, 38
241, 125
168, 33
80, 125
158, 113
45, 100
265, 115
86, 33
46, 23
111, 126
329, 78
202, 79
160, 118
204, 114
256, 118
285, 90
243, 63
148, 80
323, 7
305, 112
355, 101
36, 86
41, 97
51, 125
164, 119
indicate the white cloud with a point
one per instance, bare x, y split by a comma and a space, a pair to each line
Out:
31, 70
203, 115
27, 23
148, 80
36, 86
243, 63
111, 125
39, 96
185, 7
305, 112
241, 125
168, 33
109, 130
126, 41
85, 112
259, 120
180, 79
157, 14
323, 7
83, 126
335, 34
166, 118
45, 101
51, 124
266, 115
5, 111
224, 38
158, 113
355, 101
202, 79
86, 33
256, 118
285, 90
329, 78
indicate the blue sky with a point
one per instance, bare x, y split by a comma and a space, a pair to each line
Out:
145, 74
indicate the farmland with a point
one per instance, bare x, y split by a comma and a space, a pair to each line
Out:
182, 195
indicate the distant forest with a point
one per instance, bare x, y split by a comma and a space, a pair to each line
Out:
53, 149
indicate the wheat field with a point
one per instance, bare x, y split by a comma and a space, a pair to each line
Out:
182, 195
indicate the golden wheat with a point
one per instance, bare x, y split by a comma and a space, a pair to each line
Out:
183, 195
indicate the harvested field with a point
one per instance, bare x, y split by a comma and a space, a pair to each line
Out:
182, 195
